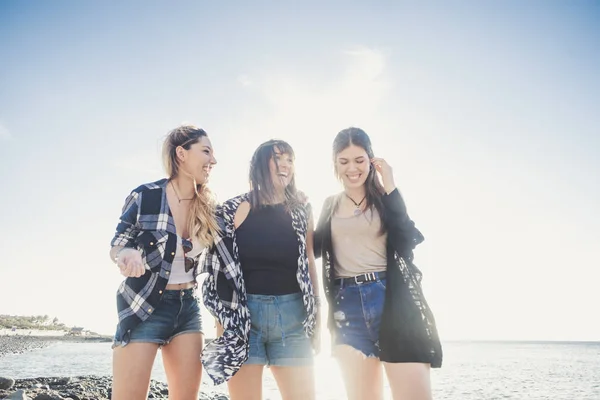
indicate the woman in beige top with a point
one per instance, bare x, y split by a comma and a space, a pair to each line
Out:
378, 314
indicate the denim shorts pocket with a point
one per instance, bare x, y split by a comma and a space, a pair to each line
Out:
382, 283
292, 315
338, 292
194, 306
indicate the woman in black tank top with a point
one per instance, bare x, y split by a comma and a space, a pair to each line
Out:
272, 229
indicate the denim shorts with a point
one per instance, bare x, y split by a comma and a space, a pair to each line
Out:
178, 312
357, 311
277, 335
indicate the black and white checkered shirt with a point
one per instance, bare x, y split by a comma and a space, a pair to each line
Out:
146, 224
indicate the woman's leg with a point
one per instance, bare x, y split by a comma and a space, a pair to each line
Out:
181, 358
357, 313
132, 366
409, 381
362, 375
295, 383
246, 384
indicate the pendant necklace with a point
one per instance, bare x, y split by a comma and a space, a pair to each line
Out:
180, 200
357, 210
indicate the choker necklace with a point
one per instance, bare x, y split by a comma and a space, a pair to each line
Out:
180, 200
357, 210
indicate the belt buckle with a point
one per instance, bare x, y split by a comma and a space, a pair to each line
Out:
369, 277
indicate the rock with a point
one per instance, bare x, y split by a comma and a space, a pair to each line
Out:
6, 383
18, 395
62, 381
48, 396
41, 386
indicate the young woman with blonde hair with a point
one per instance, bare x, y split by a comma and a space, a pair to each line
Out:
162, 230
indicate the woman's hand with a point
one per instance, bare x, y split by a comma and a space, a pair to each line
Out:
130, 262
316, 337
386, 173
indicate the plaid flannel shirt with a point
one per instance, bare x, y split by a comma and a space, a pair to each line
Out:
146, 224
224, 292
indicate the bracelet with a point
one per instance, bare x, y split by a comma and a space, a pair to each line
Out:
317, 300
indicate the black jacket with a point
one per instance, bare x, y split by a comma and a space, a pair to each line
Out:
408, 332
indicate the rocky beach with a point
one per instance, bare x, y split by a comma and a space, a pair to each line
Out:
17, 344
84, 387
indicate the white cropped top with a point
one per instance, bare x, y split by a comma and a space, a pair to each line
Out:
178, 274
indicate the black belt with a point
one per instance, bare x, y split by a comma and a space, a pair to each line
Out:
364, 278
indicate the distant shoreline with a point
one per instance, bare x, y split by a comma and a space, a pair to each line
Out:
25, 340
32, 332
48, 333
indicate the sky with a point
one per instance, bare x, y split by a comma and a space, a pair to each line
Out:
487, 111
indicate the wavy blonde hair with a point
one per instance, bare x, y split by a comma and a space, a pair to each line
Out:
202, 224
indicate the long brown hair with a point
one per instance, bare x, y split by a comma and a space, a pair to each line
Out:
202, 224
373, 188
262, 189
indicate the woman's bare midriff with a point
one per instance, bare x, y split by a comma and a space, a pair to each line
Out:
180, 286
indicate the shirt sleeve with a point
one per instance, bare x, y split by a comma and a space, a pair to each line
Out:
128, 227
404, 234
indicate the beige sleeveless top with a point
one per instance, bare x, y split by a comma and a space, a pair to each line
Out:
358, 247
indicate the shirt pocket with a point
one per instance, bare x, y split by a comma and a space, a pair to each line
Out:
153, 245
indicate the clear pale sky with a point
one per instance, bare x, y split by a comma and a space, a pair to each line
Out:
488, 112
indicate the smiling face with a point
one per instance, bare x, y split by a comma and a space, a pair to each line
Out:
197, 160
187, 151
272, 171
281, 167
352, 166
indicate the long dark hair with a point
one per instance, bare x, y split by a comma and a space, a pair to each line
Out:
373, 188
262, 189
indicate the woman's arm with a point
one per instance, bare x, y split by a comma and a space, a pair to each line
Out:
312, 269
314, 278
401, 229
127, 228
123, 250
320, 229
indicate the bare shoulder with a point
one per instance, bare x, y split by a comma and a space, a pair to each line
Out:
241, 213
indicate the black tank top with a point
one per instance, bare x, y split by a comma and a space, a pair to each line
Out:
268, 251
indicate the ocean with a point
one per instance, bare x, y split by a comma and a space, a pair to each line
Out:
471, 370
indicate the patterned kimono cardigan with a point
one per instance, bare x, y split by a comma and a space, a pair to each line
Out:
224, 292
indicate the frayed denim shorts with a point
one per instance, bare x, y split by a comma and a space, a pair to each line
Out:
177, 313
277, 334
357, 310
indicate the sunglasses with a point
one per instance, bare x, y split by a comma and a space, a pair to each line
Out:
190, 262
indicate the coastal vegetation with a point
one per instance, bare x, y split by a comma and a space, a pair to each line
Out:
40, 322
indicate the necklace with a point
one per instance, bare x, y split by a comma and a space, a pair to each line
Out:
357, 210
176, 194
